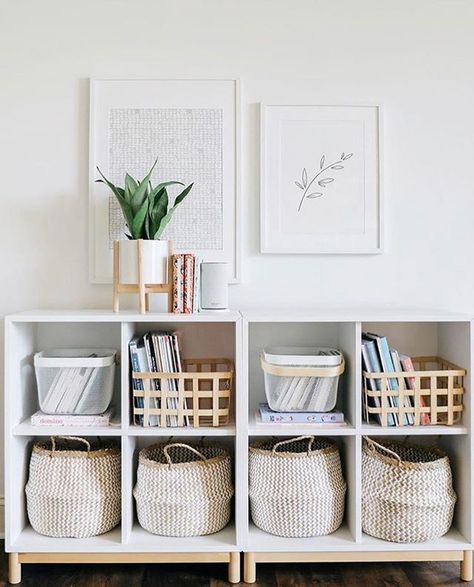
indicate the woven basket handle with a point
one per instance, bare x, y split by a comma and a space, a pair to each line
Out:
182, 445
83, 440
374, 446
290, 440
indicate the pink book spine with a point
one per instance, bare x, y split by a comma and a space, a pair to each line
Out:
177, 284
407, 365
188, 283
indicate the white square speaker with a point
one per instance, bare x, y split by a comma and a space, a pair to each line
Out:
214, 286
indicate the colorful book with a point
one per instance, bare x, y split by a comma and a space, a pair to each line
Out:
407, 365
42, 419
375, 366
188, 283
409, 419
387, 366
178, 284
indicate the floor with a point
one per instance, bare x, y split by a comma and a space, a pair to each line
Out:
285, 575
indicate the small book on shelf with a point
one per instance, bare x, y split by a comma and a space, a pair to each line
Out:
268, 416
85, 420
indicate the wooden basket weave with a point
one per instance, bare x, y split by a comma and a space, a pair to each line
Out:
203, 397
407, 491
436, 397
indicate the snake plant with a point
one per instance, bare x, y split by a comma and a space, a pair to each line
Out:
145, 208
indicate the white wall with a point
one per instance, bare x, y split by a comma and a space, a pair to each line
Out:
414, 56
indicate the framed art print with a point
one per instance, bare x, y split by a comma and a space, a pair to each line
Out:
191, 127
321, 179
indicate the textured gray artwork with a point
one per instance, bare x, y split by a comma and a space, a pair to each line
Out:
188, 144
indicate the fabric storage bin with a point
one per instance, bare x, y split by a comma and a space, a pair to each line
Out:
297, 492
74, 488
300, 379
75, 381
183, 490
407, 492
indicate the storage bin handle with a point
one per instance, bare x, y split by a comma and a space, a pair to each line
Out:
301, 371
83, 440
290, 440
182, 445
373, 446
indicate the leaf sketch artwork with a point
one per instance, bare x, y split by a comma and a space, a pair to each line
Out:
311, 193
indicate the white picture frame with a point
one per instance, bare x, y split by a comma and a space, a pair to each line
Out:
306, 152
140, 95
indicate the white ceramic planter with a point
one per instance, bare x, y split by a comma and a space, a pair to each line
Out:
154, 261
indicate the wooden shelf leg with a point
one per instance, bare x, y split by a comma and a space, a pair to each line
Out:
250, 574
466, 566
234, 567
14, 568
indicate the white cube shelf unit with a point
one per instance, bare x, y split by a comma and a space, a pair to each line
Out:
203, 335
241, 337
414, 333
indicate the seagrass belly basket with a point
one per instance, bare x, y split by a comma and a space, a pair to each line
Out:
74, 488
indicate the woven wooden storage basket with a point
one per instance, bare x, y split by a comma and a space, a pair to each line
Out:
299, 492
202, 394
407, 492
183, 490
73, 490
432, 394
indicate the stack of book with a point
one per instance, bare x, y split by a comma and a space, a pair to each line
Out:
160, 353
378, 357
326, 419
186, 275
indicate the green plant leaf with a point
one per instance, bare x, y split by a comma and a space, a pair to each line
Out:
130, 187
119, 192
138, 222
158, 209
167, 217
141, 191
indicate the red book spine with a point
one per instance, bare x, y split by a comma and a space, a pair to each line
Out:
188, 283
178, 271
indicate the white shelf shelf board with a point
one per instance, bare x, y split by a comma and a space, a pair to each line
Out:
31, 541
260, 541
375, 430
353, 315
342, 540
453, 540
143, 541
180, 431
25, 428
126, 316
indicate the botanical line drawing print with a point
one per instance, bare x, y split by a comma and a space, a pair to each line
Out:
323, 182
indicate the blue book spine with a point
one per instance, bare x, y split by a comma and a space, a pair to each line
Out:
136, 383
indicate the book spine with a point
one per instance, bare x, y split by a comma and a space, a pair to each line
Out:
407, 365
177, 284
301, 418
188, 283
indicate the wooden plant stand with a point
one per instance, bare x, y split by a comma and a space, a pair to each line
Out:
142, 289
15, 560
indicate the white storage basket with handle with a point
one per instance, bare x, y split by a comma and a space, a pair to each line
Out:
407, 491
183, 490
75, 381
74, 488
297, 492
300, 379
